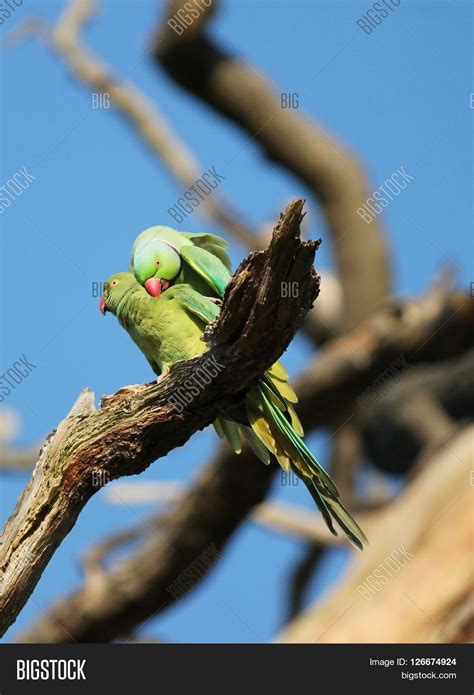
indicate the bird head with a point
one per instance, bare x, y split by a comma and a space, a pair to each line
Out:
115, 289
156, 264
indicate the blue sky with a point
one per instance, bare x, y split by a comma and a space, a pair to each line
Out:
398, 97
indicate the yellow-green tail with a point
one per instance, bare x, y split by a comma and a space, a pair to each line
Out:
275, 423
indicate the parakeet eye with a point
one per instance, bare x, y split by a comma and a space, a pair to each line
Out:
114, 282
167, 262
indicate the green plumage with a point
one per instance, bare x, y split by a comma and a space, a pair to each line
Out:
169, 329
205, 264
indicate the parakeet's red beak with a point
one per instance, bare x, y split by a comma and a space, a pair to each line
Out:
155, 286
102, 305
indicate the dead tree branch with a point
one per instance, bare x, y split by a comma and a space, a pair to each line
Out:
139, 424
423, 409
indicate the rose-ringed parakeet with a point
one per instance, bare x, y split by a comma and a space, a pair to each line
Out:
169, 328
162, 256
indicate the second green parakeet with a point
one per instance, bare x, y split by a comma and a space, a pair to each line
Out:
169, 328
162, 256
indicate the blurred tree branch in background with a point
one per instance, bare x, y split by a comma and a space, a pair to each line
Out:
392, 384
13, 458
394, 434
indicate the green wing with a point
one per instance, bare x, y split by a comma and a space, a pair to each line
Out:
193, 302
207, 266
213, 244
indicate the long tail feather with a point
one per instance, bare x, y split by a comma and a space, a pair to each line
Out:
347, 523
278, 430
321, 504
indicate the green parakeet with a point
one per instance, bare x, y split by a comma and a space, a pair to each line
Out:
169, 328
161, 257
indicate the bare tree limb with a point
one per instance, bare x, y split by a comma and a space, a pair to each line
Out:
93, 560
237, 91
422, 409
111, 604
436, 327
139, 424
152, 491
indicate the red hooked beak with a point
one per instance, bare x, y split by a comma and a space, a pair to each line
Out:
102, 305
155, 286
